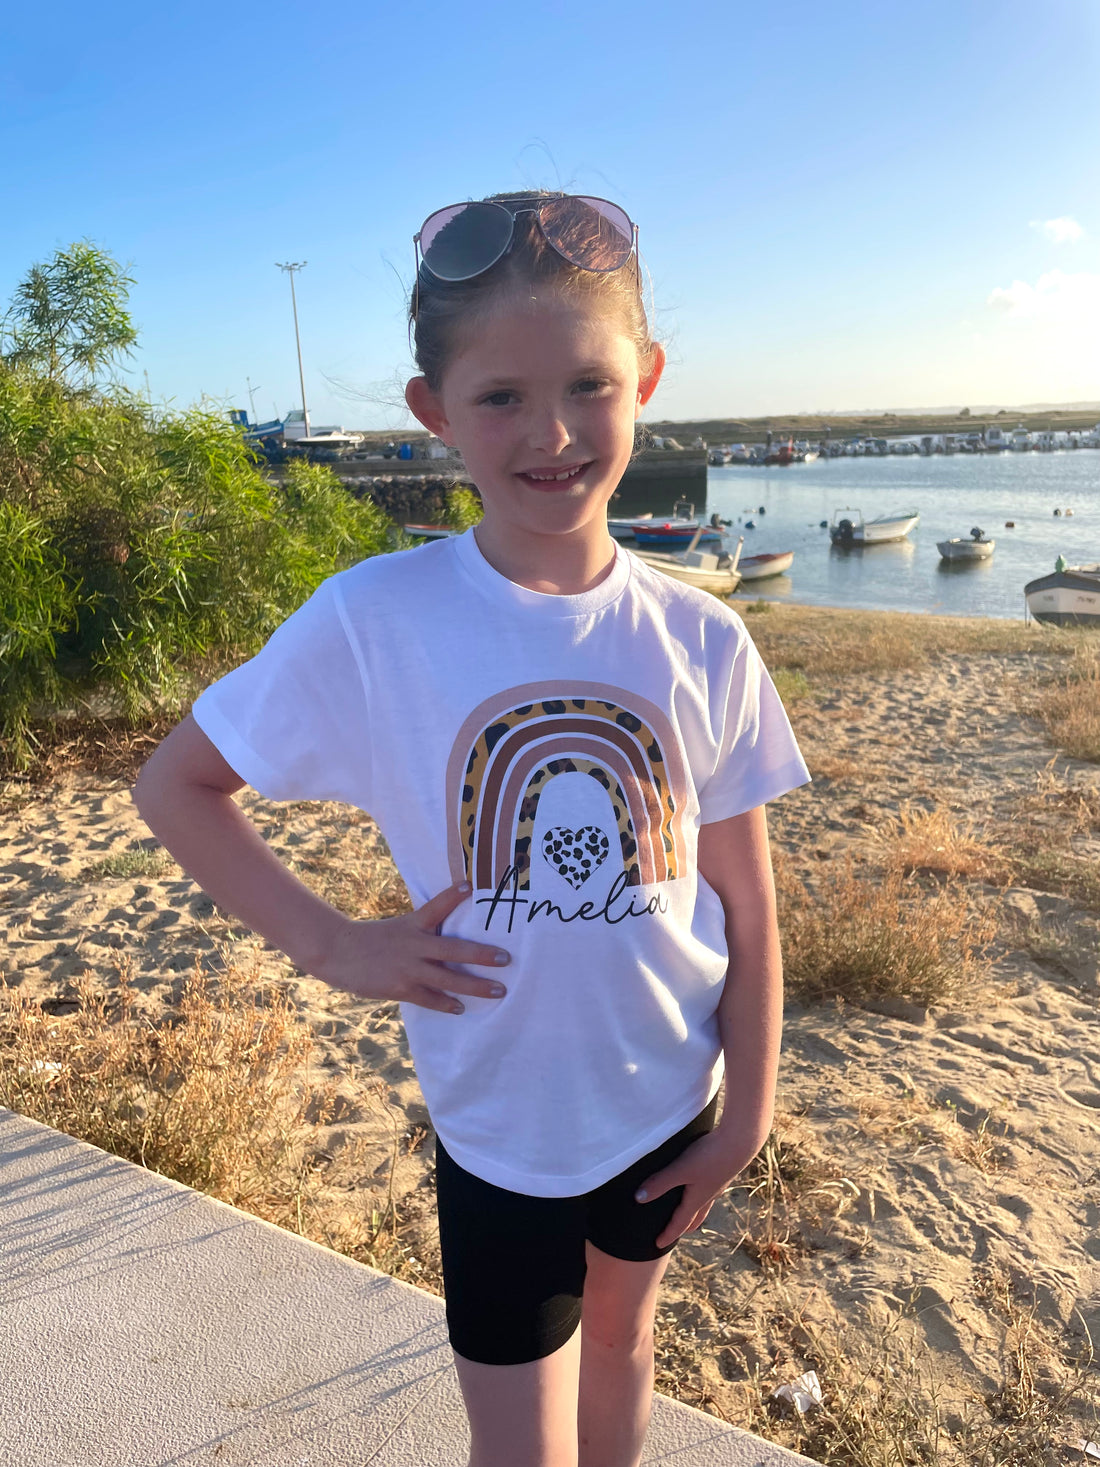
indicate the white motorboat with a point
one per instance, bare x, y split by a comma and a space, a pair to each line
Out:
759, 567
708, 570
1068, 597
880, 531
962, 551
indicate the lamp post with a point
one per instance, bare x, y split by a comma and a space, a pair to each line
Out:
289, 270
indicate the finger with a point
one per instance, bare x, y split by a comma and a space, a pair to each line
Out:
431, 998
438, 908
449, 980
695, 1217
657, 1185
459, 950
677, 1224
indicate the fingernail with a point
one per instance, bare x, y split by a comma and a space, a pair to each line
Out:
497, 990
458, 1008
464, 887
501, 958
641, 1196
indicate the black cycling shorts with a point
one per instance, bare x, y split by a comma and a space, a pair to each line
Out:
514, 1265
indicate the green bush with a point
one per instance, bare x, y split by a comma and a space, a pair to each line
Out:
464, 508
137, 544
36, 602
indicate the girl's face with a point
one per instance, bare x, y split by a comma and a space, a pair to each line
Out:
541, 398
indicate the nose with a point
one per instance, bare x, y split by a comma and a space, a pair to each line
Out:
549, 431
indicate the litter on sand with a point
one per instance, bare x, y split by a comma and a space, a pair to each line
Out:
802, 1393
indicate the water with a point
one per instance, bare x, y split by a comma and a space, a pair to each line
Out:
951, 493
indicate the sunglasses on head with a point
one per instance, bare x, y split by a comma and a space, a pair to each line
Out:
465, 240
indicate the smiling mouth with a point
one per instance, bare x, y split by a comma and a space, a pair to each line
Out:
561, 476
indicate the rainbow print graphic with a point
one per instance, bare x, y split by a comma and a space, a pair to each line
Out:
514, 744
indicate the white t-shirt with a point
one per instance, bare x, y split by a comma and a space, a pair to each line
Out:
560, 752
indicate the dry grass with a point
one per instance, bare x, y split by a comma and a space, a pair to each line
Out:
788, 1192
823, 641
912, 1120
218, 1095
864, 937
1061, 872
837, 769
82, 744
1074, 806
1069, 707
886, 1402
122, 865
206, 1097
791, 684
938, 842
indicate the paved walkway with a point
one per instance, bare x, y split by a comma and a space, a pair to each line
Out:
144, 1325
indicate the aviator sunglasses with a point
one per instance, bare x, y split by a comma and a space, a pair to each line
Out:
464, 240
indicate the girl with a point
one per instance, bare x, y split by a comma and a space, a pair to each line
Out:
569, 755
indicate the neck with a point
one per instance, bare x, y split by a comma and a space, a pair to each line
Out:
555, 565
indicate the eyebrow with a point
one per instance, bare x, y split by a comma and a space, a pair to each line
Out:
495, 384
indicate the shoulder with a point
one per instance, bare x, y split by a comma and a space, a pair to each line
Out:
398, 575
694, 617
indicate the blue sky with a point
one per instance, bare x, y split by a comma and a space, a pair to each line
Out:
853, 205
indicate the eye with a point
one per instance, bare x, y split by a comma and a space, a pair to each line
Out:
498, 399
590, 386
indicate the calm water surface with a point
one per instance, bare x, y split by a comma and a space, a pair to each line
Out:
950, 493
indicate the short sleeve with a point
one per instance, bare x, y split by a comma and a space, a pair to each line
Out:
293, 721
758, 758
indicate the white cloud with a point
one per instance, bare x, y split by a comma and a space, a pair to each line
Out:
1063, 230
1073, 299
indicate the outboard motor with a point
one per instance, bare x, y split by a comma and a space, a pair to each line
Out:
977, 534
845, 532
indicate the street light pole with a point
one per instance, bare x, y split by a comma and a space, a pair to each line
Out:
289, 270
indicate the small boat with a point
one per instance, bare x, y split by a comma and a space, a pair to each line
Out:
707, 570
759, 567
976, 548
429, 532
675, 532
679, 528
785, 454
886, 527
1068, 597
623, 529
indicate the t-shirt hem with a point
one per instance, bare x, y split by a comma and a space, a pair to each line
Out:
534, 1185
780, 782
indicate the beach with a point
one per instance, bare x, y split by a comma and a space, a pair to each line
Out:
920, 1229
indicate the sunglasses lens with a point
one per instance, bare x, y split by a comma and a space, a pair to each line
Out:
589, 232
462, 241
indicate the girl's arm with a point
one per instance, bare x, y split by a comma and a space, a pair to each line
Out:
184, 794
734, 859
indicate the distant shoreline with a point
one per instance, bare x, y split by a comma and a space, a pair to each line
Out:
815, 426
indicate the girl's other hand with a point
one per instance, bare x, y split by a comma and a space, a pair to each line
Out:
406, 959
704, 1170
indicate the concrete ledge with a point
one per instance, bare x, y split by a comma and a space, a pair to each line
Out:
145, 1325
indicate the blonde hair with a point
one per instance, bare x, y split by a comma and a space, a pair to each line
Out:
440, 309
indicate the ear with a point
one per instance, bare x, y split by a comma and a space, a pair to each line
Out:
648, 384
425, 406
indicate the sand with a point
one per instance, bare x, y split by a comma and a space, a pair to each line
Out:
940, 1166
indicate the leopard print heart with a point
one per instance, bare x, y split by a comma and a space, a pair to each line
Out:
575, 854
